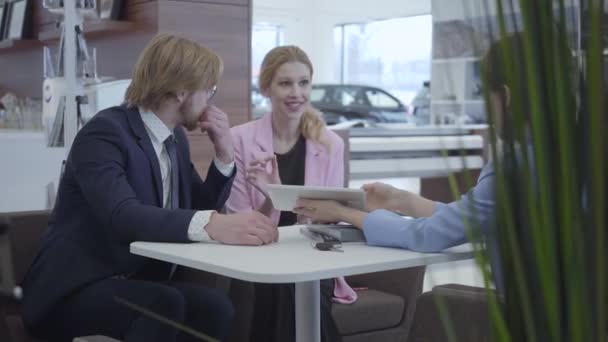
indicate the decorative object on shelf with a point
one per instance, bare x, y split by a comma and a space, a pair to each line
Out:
17, 23
102, 9
58, 4
473, 90
460, 38
455, 39
21, 113
3, 11
109, 9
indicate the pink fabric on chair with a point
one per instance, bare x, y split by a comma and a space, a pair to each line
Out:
343, 293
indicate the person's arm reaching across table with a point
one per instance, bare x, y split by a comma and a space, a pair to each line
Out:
435, 225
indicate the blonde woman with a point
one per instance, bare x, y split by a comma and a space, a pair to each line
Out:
289, 145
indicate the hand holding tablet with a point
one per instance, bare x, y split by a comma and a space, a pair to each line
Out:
284, 197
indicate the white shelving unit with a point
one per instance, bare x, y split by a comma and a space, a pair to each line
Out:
72, 19
460, 38
455, 89
455, 79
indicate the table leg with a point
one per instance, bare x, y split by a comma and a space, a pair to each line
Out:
308, 311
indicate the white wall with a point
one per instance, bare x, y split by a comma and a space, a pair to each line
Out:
310, 24
348, 10
26, 167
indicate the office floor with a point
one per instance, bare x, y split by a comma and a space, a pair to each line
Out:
460, 272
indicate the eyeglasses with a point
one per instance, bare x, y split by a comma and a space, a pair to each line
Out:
211, 93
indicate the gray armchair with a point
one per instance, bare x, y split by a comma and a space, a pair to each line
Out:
384, 311
467, 309
20, 234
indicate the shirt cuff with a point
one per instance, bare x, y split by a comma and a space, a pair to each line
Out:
384, 228
196, 229
224, 169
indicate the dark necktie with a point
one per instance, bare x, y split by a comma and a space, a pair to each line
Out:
170, 145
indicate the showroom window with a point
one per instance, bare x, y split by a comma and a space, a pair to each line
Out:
393, 55
264, 37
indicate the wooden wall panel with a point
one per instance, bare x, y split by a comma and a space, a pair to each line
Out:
41, 18
226, 29
117, 54
21, 71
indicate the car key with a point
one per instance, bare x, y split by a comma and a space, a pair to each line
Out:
328, 246
330, 239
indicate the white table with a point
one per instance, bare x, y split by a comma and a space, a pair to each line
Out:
294, 260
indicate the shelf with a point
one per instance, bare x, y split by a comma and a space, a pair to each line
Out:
92, 29
449, 102
455, 60
444, 102
17, 44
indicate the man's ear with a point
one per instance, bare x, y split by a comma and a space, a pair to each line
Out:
507, 96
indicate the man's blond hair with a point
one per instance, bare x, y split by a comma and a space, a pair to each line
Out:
168, 65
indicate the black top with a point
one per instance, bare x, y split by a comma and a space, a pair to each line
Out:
291, 171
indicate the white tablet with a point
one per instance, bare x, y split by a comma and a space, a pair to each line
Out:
284, 197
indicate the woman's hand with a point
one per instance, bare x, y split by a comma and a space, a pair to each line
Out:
259, 176
329, 211
319, 210
380, 196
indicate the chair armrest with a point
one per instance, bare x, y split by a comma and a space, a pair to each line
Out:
96, 338
20, 234
5, 334
406, 282
467, 309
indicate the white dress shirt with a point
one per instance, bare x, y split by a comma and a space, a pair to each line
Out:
158, 133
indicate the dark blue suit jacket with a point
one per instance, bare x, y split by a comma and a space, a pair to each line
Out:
109, 196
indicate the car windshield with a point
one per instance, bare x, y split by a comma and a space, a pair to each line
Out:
346, 97
380, 99
317, 94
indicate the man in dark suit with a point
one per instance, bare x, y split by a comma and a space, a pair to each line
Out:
128, 178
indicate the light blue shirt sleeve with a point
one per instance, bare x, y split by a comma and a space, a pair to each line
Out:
444, 229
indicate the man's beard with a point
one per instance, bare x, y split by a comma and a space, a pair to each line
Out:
188, 122
190, 125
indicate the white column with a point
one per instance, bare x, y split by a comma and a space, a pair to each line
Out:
310, 30
314, 34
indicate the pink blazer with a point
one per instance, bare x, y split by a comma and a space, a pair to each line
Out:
324, 167
253, 140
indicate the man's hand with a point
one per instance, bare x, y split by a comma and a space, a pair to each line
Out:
215, 123
259, 176
246, 228
380, 196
